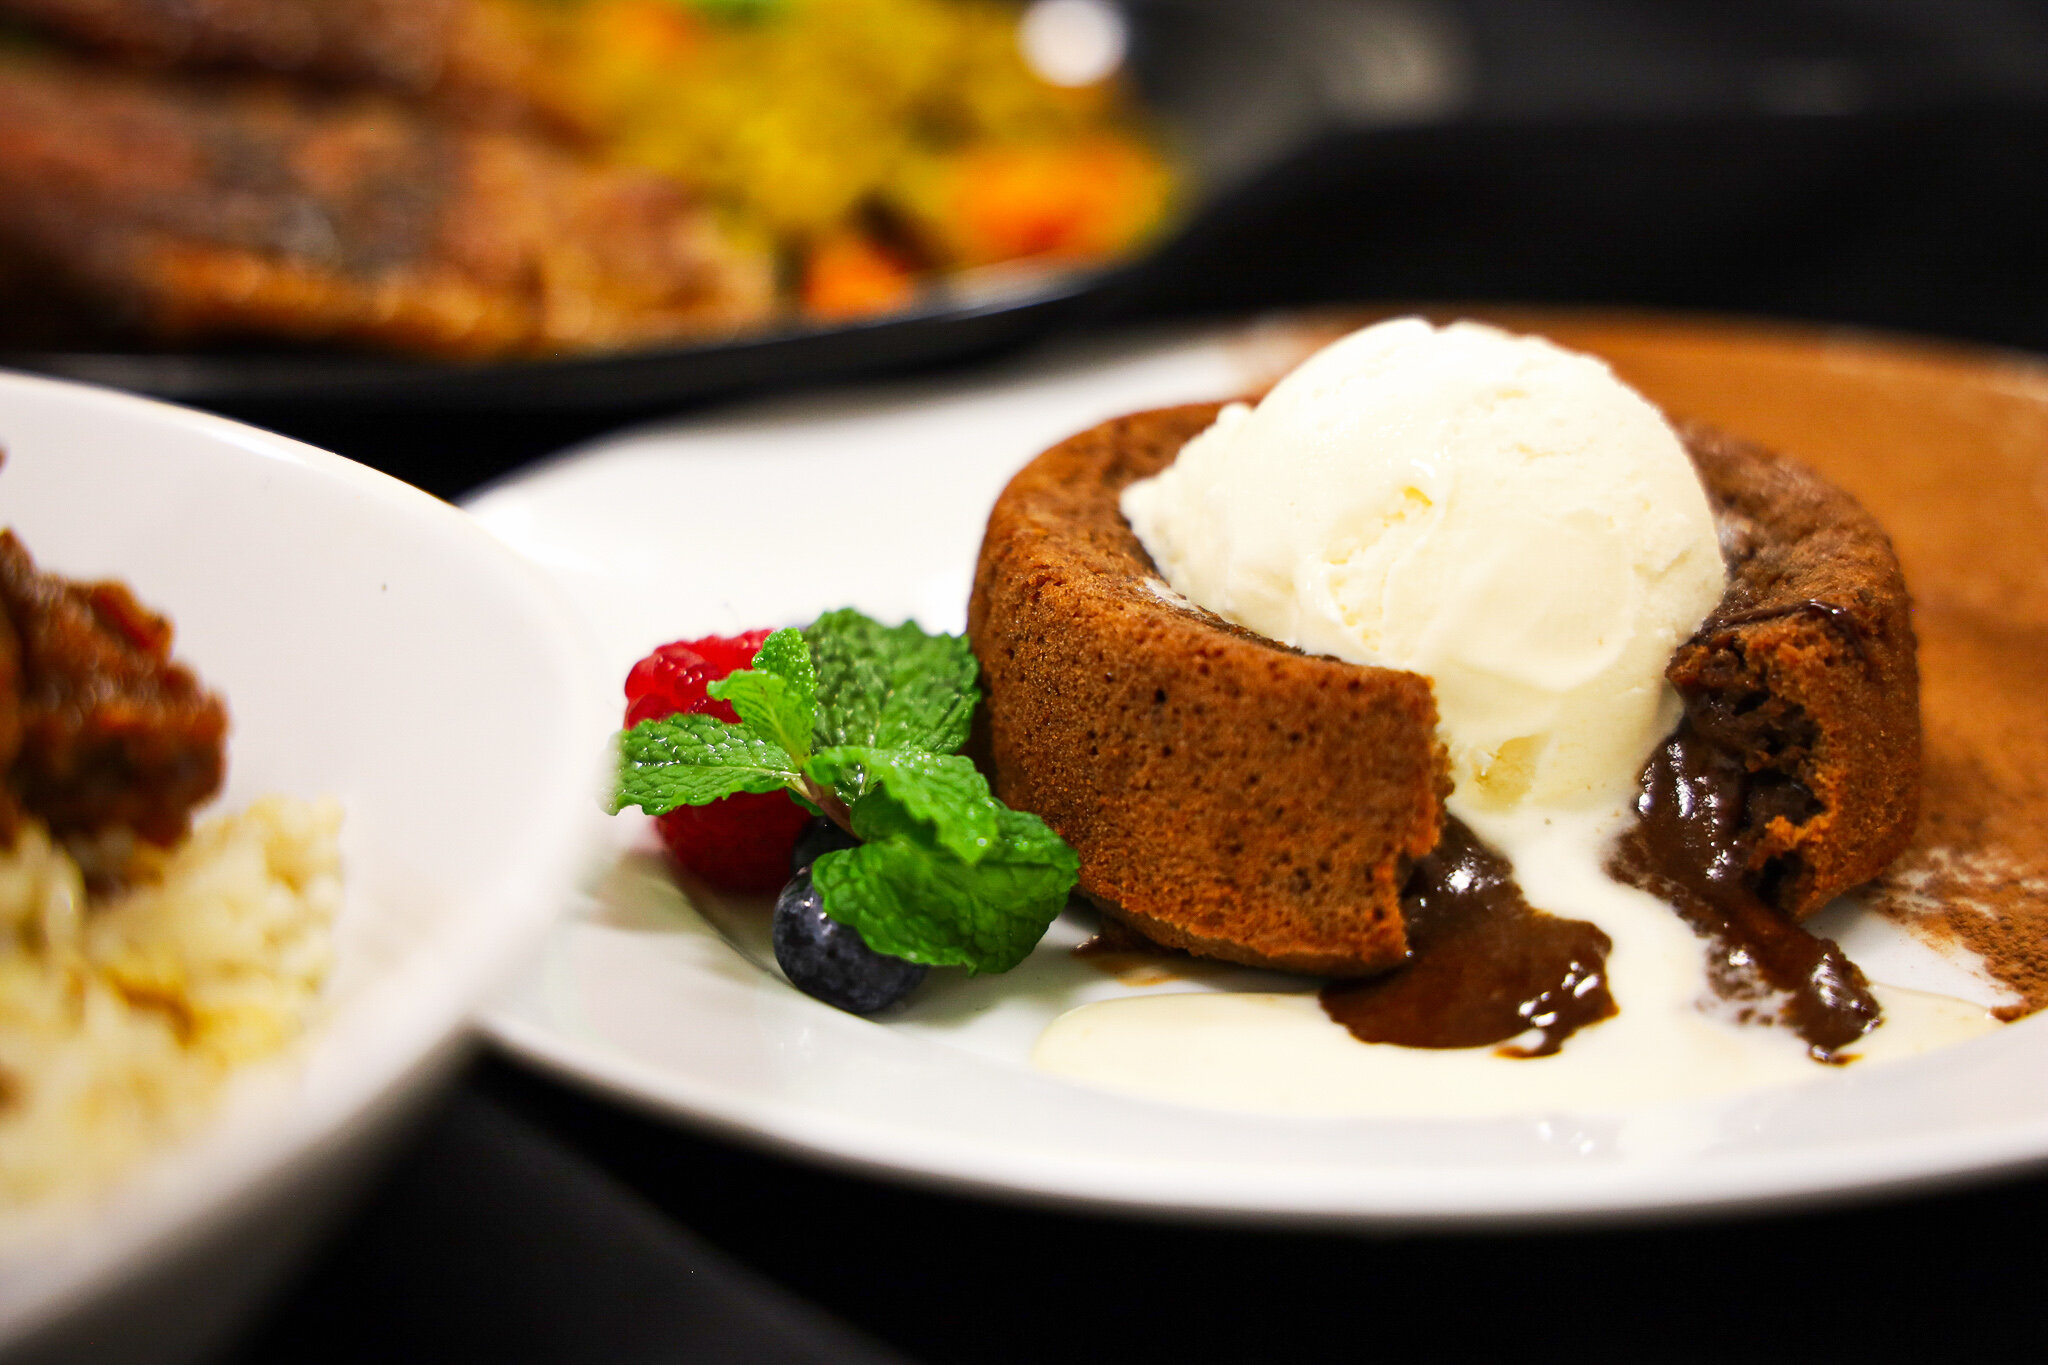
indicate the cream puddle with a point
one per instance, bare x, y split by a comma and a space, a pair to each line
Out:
1281, 1053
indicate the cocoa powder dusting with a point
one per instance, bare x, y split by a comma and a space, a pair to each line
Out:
1976, 874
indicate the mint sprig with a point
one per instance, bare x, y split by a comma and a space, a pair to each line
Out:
861, 721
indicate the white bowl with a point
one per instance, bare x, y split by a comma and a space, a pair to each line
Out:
372, 644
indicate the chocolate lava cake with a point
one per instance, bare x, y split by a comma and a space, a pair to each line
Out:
1239, 799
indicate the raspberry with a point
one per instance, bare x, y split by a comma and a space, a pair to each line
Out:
743, 842
672, 679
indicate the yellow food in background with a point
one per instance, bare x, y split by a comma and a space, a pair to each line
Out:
869, 140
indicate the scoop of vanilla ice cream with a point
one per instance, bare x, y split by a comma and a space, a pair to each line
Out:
1492, 511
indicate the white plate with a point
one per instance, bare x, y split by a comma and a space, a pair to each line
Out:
373, 644
878, 500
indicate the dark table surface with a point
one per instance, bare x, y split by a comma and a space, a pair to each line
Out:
1907, 187
530, 1223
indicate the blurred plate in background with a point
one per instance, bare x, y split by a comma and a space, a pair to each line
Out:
1235, 87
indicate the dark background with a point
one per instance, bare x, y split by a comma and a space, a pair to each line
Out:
1882, 163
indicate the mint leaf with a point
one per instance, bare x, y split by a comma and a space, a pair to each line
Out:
778, 697
944, 793
891, 687
908, 895
693, 760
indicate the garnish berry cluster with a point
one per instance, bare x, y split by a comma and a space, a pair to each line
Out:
862, 723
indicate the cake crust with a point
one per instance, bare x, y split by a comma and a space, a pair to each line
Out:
1239, 799
1808, 670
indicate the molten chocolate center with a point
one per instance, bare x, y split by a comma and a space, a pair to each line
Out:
1687, 849
1487, 967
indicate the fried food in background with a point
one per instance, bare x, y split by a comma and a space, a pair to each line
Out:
477, 59
872, 145
205, 211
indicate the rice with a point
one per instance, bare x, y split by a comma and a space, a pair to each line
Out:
120, 1021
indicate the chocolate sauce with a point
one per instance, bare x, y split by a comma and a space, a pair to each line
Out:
1485, 966
1121, 951
1115, 939
1688, 848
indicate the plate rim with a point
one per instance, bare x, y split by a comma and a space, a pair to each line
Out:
1590, 1198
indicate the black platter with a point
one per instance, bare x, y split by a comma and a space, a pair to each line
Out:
1234, 87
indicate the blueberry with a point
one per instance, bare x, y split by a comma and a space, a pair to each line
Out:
820, 836
827, 959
